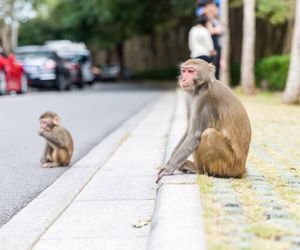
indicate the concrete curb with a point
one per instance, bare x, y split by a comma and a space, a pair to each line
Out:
26, 227
177, 221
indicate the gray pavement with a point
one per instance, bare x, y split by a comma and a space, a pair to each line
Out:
89, 114
109, 199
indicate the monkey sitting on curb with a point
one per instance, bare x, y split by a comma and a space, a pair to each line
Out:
59, 143
218, 133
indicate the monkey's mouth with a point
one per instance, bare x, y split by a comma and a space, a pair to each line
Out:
187, 87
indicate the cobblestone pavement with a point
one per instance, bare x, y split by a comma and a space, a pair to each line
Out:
261, 211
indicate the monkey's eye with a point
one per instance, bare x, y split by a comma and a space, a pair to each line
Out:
191, 70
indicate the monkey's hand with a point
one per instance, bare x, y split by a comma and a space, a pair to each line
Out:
43, 161
41, 131
163, 172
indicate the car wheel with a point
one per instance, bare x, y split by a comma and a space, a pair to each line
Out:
91, 82
81, 85
3, 83
69, 84
62, 82
24, 83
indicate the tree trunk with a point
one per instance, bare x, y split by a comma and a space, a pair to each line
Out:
120, 51
6, 38
14, 34
248, 53
288, 37
225, 59
292, 89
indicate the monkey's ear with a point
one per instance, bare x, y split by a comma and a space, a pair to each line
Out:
56, 120
211, 71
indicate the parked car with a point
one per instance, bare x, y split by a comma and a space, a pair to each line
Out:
110, 72
44, 67
75, 69
77, 53
12, 75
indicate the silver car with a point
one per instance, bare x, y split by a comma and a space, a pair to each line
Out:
78, 52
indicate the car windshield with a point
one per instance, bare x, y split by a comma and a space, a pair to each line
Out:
33, 54
73, 57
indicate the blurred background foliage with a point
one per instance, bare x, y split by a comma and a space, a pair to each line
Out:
102, 22
150, 36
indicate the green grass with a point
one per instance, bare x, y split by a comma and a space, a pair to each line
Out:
276, 129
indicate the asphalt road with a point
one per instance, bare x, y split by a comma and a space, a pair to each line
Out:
89, 114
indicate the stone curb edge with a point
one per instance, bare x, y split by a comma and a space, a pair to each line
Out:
177, 221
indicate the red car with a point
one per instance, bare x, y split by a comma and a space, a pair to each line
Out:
12, 75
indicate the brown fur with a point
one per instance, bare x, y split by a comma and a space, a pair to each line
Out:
218, 133
59, 143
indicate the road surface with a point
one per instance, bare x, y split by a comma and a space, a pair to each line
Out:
89, 114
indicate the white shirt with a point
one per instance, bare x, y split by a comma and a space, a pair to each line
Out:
200, 41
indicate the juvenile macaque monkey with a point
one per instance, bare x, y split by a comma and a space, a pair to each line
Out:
59, 143
218, 133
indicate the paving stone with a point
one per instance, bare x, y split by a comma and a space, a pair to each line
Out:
269, 199
232, 205
243, 235
238, 219
293, 181
255, 178
295, 186
293, 239
102, 219
234, 211
262, 186
227, 197
119, 188
93, 244
225, 190
286, 223
274, 206
276, 214
243, 244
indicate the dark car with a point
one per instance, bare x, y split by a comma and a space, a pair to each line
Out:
77, 54
75, 69
110, 72
44, 67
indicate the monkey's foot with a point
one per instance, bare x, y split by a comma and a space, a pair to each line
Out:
49, 165
189, 167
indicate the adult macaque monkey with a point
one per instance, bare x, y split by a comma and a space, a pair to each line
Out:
59, 144
218, 132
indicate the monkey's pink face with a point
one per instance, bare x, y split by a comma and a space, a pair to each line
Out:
188, 76
44, 124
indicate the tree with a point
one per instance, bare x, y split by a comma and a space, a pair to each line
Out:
292, 90
248, 52
11, 13
225, 59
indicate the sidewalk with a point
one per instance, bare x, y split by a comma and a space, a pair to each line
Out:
109, 200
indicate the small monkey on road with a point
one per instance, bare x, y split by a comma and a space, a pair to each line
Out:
59, 143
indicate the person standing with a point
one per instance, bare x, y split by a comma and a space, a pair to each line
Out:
216, 30
200, 40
